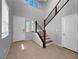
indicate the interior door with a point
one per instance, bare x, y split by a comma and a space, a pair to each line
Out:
18, 28
69, 32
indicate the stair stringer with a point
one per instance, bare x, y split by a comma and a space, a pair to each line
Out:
37, 39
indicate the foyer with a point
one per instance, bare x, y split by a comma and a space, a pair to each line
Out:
38, 29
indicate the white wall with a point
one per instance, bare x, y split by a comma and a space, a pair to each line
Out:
54, 27
29, 36
6, 42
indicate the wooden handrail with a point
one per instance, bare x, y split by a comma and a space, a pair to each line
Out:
52, 10
55, 13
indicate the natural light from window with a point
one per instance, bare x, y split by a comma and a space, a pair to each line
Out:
33, 3
5, 19
30, 26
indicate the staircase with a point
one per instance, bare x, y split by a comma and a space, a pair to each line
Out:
46, 40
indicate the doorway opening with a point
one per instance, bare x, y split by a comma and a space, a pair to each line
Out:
30, 26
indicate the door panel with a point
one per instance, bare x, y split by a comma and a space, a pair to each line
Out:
69, 32
18, 28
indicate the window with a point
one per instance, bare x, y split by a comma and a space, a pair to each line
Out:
30, 26
5, 19
32, 3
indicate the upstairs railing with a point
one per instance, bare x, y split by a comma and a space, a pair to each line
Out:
41, 32
55, 11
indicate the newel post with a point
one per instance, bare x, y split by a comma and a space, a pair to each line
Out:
44, 44
35, 26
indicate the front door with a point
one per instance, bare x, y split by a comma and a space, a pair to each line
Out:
18, 28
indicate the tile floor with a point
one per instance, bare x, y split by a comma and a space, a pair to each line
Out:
30, 50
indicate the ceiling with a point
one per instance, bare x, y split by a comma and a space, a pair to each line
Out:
19, 9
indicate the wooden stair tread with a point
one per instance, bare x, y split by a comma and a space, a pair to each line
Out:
46, 35
48, 41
